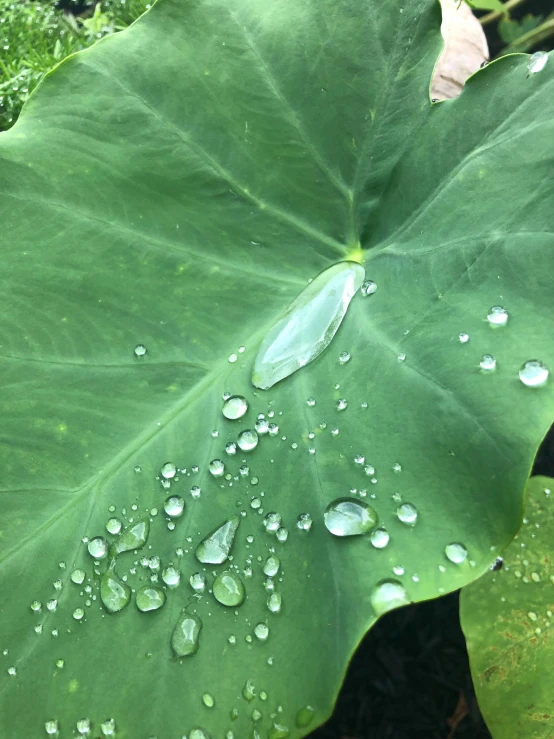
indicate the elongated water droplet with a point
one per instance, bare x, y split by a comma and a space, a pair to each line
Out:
174, 506
228, 589
98, 547
150, 598
185, 639
497, 316
278, 731
114, 593
305, 716
349, 517
274, 602
407, 513
534, 373
537, 62
271, 565
133, 537
248, 440
215, 548
487, 363
249, 691
216, 468
308, 325
388, 594
456, 552
235, 407
379, 538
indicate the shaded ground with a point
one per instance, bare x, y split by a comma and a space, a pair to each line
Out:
411, 672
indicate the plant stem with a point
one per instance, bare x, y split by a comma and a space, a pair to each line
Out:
532, 38
495, 15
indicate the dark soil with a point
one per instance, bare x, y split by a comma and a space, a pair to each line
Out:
409, 678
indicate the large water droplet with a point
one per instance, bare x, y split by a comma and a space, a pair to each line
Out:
185, 639
216, 468
308, 325
171, 576
248, 440
78, 576
379, 538
150, 598
228, 589
497, 316
407, 513
272, 522
261, 631
114, 593
169, 471
174, 506
349, 517
235, 407
368, 288
215, 548
305, 716
388, 594
98, 547
456, 552
487, 363
274, 602
537, 62
534, 373
272, 565
133, 537
108, 727
113, 526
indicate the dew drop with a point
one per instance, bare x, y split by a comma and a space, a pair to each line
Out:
231, 448
174, 506
98, 547
310, 402
487, 363
456, 552
149, 598
274, 602
397, 467
463, 338
216, 468
171, 576
534, 373
271, 566
228, 589
497, 316
305, 716
407, 513
169, 471
235, 407
78, 614
133, 537
537, 62
198, 582
108, 727
282, 534
51, 727
342, 404
262, 426
114, 593
83, 726
185, 639
379, 538
349, 517
272, 522
248, 440
249, 691
344, 357
199, 733
208, 700
215, 548
304, 522
113, 526
308, 325
388, 594
261, 631
36, 605
278, 731
368, 288
140, 350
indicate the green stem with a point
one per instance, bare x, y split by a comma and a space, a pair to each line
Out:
534, 37
495, 15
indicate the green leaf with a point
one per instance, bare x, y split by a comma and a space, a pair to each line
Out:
174, 189
507, 619
487, 5
511, 30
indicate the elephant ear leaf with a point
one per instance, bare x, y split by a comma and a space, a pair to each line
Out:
183, 553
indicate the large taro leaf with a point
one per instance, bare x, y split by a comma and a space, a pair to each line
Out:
507, 617
178, 185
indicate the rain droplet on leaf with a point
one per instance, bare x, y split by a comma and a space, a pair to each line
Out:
349, 517
215, 548
308, 325
407, 513
149, 598
537, 62
174, 506
534, 373
487, 363
140, 350
185, 639
248, 440
114, 593
379, 538
497, 316
235, 407
98, 547
216, 468
261, 631
169, 471
133, 537
368, 288
456, 552
228, 589
386, 595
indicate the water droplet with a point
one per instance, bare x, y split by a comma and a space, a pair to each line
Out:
342, 404
248, 440
198, 582
174, 506
78, 614
271, 565
344, 357
108, 727
380, 538
305, 716
51, 604
359, 459
140, 350
463, 338
304, 522
274, 602
154, 563
272, 522
231, 448
60, 663
282, 534
456, 552
169, 471
532, 616
310, 402
401, 357
497, 316
407, 513
262, 426
198, 733
113, 526
255, 503
533, 373
98, 547
149, 598
36, 606
397, 467
249, 691
278, 731
215, 548
114, 593
488, 362
208, 700
244, 470
83, 726
273, 429
349, 517
261, 631
51, 727
368, 288
133, 537
388, 594
308, 325
171, 576
195, 491
12, 671
228, 589
537, 62
216, 467
185, 639
235, 407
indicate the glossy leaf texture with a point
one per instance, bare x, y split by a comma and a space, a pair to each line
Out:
174, 189
507, 618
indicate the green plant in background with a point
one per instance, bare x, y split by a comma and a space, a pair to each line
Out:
518, 34
185, 552
35, 36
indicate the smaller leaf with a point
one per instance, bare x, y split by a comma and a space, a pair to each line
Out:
494, 5
511, 30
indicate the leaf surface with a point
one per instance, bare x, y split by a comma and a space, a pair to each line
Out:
177, 186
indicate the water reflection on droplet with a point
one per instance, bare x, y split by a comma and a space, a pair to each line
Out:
272, 522
216, 468
271, 565
456, 552
533, 373
463, 338
368, 288
114, 593
97, 547
304, 522
537, 62
388, 594
133, 537
407, 513
379, 538
349, 517
261, 631
108, 727
487, 363
248, 440
149, 598
140, 350
235, 407
228, 589
344, 357
174, 506
185, 639
215, 548
497, 316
